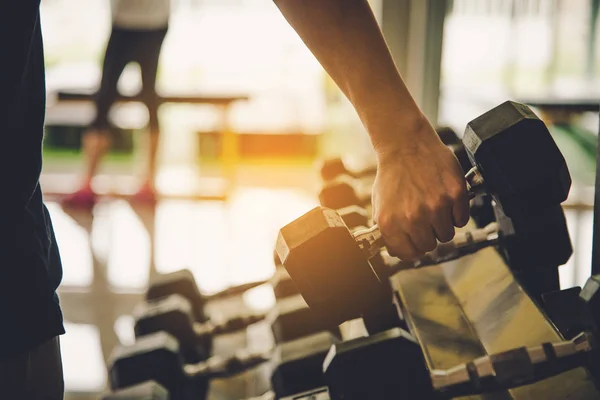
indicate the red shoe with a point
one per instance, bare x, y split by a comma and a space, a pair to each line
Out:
146, 195
81, 199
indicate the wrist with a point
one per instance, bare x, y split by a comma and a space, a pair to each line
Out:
405, 137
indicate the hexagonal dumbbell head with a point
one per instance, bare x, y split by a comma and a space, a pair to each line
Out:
152, 357
332, 167
292, 318
447, 135
342, 192
174, 315
180, 282
522, 167
391, 361
283, 286
298, 365
327, 264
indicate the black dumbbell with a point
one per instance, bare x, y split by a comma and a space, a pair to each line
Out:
534, 246
329, 264
174, 314
353, 216
149, 390
297, 365
182, 282
344, 191
290, 319
333, 167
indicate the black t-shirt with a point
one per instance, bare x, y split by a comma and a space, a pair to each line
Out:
30, 267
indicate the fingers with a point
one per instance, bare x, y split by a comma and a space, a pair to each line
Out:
442, 223
460, 205
422, 235
398, 243
410, 237
401, 246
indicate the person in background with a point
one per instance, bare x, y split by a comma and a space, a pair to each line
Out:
139, 28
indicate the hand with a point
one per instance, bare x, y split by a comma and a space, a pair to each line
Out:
419, 194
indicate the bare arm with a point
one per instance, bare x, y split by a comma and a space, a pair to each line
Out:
345, 38
419, 194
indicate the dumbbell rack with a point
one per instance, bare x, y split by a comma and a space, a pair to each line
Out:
448, 307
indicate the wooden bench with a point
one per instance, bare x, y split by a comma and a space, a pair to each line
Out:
229, 139
88, 95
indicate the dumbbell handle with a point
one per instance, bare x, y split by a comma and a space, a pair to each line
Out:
515, 367
371, 241
231, 325
234, 290
223, 367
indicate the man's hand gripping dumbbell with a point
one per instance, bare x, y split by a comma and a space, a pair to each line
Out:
330, 265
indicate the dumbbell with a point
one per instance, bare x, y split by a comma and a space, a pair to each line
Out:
290, 319
344, 191
330, 265
183, 282
333, 167
296, 365
174, 314
534, 246
353, 216
149, 390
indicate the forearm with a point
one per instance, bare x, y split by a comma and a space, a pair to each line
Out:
345, 38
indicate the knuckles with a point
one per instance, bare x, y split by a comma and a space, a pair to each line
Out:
438, 204
386, 223
456, 191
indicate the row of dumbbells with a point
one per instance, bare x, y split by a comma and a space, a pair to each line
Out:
520, 178
172, 356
